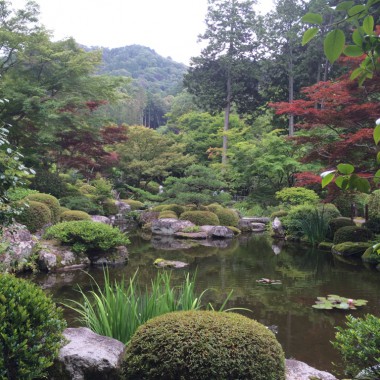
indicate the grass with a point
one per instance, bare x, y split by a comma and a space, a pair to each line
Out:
119, 308
315, 227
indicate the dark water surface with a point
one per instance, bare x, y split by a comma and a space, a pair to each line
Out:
305, 333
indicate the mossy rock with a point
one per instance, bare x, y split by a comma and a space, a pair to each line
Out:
325, 246
235, 230
352, 234
49, 201
227, 217
198, 345
201, 218
372, 255
350, 249
35, 216
70, 215
336, 223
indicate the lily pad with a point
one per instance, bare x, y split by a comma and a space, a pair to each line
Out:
334, 301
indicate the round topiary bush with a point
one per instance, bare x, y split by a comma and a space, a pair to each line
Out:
373, 224
31, 329
167, 215
200, 345
135, 205
71, 215
34, 216
87, 189
227, 217
335, 224
201, 218
87, 236
50, 201
352, 233
297, 196
158, 208
214, 207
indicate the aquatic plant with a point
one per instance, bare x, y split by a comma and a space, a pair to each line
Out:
333, 301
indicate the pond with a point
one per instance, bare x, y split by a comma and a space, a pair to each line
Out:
305, 273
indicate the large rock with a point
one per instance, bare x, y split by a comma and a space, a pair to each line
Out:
296, 370
101, 219
222, 232
119, 256
169, 243
19, 244
88, 356
169, 226
278, 231
250, 224
122, 207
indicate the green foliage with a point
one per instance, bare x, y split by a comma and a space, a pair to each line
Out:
373, 224
45, 181
351, 249
278, 214
201, 218
18, 193
372, 255
374, 204
227, 217
87, 236
294, 196
70, 215
335, 224
135, 205
109, 207
344, 201
338, 302
50, 201
81, 203
359, 344
87, 189
167, 214
31, 329
197, 345
177, 209
214, 207
145, 196
34, 216
118, 309
315, 226
352, 233
103, 189
191, 229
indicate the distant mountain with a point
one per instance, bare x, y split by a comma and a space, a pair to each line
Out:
150, 70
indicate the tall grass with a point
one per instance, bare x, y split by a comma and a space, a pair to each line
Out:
119, 308
315, 226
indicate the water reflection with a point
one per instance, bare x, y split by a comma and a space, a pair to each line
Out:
305, 273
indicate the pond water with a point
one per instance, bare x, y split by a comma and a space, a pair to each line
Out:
305, 273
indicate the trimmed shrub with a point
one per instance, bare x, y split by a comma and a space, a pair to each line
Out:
201, 218
374, 204
50, 201
87, 189
175, 208
47, 182
135, 205
214, 206
358, 343
167, 214
335, 224
31, 329
278, 214
352, 233
159, 208
294, 196
227, 217
373, 224
71, 215
87, 236
200, 345
109, 207
81, 203
17, 193
34, 216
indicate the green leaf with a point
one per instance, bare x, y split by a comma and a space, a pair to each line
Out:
308, 35
362, 185
327, 179
368, 24
376, 134
357, 37
376, 178
356, 10
341, 182
353, 51
357, 72
378, 157
312, 18
334, 45
345, 169
344, 5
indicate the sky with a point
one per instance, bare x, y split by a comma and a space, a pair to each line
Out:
170, 27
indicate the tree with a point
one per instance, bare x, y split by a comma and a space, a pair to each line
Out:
225, 72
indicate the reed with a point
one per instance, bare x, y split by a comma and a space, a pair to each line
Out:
315, 226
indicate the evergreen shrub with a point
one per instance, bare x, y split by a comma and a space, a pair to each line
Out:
278, 214
175, 208
31, 329
198, 345
374, 204
214, 207
167, 214
71, 215
47, 182
227, 217
87, 236
87, 189
373, 224
17, 193
201, 218
109, 207
81, 203
135, 205
352, 233
34, 216
335, 224
50, 201
293, 196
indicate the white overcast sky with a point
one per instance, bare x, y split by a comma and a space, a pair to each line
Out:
170, 27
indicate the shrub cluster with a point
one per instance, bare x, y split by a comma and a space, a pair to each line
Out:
335, 224
87, 236
167, 214
352, 233
135, 205
51, 202
201, 218
200, 345
373, 224
34, 216
294, 196
227, 217
31, 329
81, 203
70, 215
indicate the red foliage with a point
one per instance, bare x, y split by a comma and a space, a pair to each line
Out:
306, 179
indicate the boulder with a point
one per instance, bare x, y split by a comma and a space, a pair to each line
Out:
19, 243
169, 243
162, 263
296, 370
101, 219
278, 231
253, 224
222, 232
119, 256
122, 207
169, 226
88, 356
148, 217
350, 249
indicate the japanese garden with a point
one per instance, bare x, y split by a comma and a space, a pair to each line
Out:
219, 220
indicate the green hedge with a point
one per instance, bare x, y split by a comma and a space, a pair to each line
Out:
335, 224
31, 329
201, 218
352, 233
227, 217
199, 345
